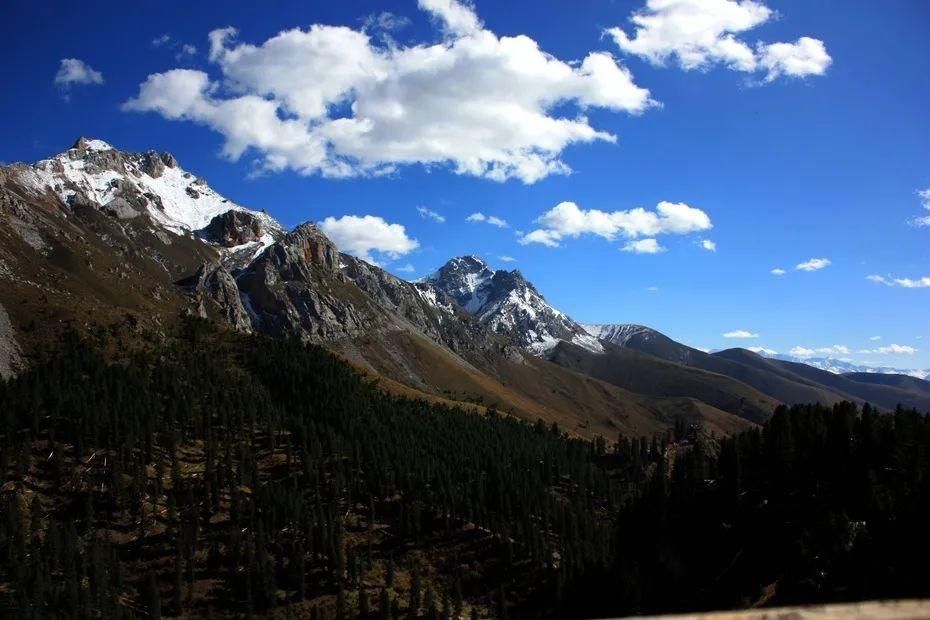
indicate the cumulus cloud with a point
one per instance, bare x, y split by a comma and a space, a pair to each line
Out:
741, 334
762, 350
567, 220
837, 349
891, 349
362, 235
699, 34
923, 282
429, 214
73, 71
778, 271
488, 219
329, 100
708, 245
814, 264
643, 246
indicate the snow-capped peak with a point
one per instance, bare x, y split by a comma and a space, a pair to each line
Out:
94, 172
508, 304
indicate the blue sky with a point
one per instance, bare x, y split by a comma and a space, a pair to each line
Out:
790, 155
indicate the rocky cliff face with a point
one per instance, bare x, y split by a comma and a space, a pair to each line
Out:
508, 304
234, 228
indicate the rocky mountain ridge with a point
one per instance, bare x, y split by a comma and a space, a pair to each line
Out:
509, 305
99, 236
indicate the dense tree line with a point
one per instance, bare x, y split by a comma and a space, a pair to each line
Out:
215, 472
822, 504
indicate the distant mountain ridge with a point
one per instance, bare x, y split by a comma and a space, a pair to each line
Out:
97, 236
840, 366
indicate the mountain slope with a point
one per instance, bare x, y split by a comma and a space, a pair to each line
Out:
96, 237
751, 369
647, 374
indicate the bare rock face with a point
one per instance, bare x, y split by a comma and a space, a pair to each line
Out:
295, 289
9, 349
121, 209
153, 165
312, 246
212, 285
169, 160
233, 228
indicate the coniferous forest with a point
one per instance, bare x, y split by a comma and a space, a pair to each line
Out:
216, 474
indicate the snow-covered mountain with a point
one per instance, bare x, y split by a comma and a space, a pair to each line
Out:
508, 304
839, 366
617, 333
126, 185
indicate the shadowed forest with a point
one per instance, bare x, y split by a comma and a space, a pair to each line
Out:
215, 474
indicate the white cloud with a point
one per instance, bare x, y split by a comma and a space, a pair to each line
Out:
778, 271
408, 268
804, 57
708, 245
741, 334
699, 34
73, 71
567, 220
891, 349
643, 246
924, 220
429, 214
548, 238
161, 40
875, 338
837, 349
652, 289
507, 259
329, 100
762, 350
489, 219
923, 282
360, 236
814, 264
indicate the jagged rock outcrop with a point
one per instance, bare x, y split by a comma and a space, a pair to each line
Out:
294, 288
233, 228
214, 288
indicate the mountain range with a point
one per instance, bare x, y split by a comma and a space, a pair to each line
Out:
98, 238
